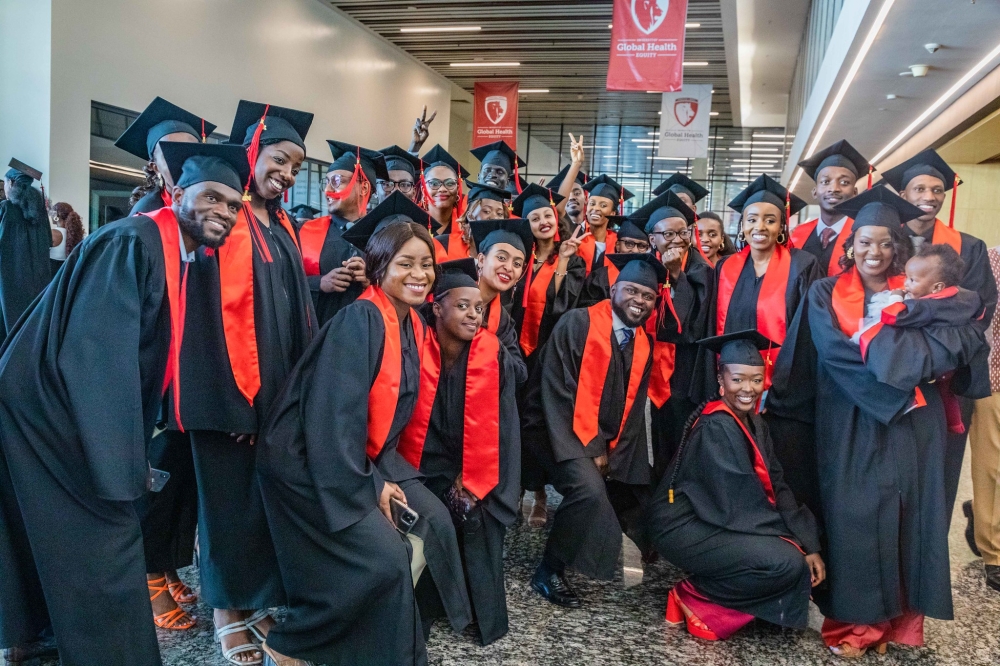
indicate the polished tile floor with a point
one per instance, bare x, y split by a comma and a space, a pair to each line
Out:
623, 624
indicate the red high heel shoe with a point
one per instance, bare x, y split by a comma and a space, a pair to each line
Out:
676, 615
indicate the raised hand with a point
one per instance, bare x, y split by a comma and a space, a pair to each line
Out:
421, 130
576, 150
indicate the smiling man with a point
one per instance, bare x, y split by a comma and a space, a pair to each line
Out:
584, 421
499, 164
82, 381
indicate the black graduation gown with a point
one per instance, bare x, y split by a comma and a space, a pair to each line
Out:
723, 530
335, 252
880, 467
149, 202
25, 269
481, 535
814, 246
596, 287
345, 568
81, 382
507, 334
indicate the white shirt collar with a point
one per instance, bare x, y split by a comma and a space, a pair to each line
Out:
186, 257
836, 226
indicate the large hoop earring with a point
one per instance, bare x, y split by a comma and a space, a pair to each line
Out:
850, 253
782, 238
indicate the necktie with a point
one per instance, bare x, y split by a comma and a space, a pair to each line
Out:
826, 236
627, 335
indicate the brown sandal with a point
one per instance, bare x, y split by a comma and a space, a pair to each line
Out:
174, 620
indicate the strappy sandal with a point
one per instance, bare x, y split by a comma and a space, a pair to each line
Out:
677, 615
181, 593
848, 651
235, 628
256, 619
173, 620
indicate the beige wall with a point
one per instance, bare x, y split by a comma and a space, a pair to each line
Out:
977, 210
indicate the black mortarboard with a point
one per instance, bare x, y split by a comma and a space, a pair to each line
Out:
304, 211
878, 207
192, 163
927, 163
396, 208
483, 191
499, 154
533, 197
159, 119
740, 348
841, 154
607, 187
557, 180
513, 183
397, 159
514, 232
663, 206
456, 273
281, 124
346, 155
438, 156
640, 268
769, 190
626, 229
681, 183
19, 168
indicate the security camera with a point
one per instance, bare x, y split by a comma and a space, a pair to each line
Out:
931, 48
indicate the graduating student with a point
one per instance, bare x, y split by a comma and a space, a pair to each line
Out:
923, 181
574, 207
336, 269
82, 380
160, 121
629, 239
330, 466
606, 198
584, 420
715, 242
403, 169
442, 183
465, 438
688, 190
724, 514
485, 202
835, 170
25, 238
254, 317
302, 213
499, 166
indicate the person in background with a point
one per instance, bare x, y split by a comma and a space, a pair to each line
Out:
485, 203
606, 198
569, 183
67, 232
630, 239
402, 168
499, 165
715, 242
443, 177
25, 239
688, 190
303, 213
421, 130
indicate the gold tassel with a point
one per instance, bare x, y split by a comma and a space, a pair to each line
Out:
670, 494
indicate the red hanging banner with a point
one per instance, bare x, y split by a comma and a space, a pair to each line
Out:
495, 116
647, 45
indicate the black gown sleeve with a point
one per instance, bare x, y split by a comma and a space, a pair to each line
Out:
560, 374
504, 501
571, 287
797, 518
507, 334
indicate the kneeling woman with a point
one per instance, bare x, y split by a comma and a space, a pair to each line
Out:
329, 467
726, 516
465, 439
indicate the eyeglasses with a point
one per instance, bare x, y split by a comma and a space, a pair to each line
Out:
404, 186
670, 235
450, 184
630, 245
335, 181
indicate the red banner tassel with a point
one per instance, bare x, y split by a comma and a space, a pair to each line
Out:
870, 169
517, 177
954, 196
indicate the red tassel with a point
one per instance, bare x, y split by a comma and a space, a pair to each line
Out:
204, 139
954, 196
517, 177
870, 169
621, 202
253, 151
552, 205
527, 278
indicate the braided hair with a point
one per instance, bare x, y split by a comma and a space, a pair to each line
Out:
685, 433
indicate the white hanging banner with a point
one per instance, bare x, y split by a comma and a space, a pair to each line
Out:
684, 119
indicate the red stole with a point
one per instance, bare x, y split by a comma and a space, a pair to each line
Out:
759, 465
168, 200
945, 234
535, 306
312, 236
770, 303
492, 323
588, 248
481, 424
384, 392
439, 252
236, 281
802, 233
166, 224
594, 373
848, 303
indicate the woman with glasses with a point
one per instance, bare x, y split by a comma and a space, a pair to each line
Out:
443, 195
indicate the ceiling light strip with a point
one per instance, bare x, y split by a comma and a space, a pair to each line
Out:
444, 28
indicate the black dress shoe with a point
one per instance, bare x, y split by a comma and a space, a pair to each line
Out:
993, 576
28, 652
970, 529
554, 587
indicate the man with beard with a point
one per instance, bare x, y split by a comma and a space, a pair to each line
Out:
584, 420
836, 170
82, 379
500, 165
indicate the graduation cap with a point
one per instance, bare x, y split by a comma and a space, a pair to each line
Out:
640, 268
878, 207
499, 154
483, 191
532, 198
304, 211
681, 184
626, 229
159, 119
347, 155
454, 274
515, 232
438, 156
740, 348
607, 187
192, 163
396, 208
19, 168
558, 179
840, 154
771, 191
663, 206
927, 163
279, 124
397, 159
516, 185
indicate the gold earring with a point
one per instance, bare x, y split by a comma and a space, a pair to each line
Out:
782, 238
850, 253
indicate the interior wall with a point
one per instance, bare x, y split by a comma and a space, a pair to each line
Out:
977, 209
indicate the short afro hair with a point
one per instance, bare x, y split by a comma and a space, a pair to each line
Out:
951, 268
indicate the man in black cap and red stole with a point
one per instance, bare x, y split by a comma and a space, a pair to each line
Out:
499, 165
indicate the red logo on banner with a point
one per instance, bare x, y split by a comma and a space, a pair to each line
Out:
647, 45
685, 110
495, 114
